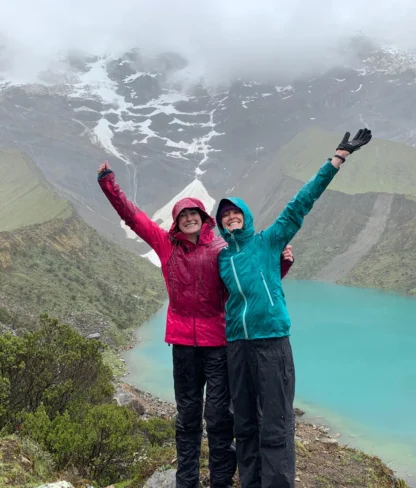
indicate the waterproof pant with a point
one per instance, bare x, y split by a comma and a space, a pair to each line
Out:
193, 368
262, 382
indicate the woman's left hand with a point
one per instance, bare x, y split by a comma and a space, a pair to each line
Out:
287, 253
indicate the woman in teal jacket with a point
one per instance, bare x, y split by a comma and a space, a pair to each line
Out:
260, 362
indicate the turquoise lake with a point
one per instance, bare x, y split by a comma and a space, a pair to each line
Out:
355, 357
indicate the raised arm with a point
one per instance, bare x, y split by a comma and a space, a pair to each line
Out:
135, 218
282, 231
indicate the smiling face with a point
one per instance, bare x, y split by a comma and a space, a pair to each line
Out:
190, 222
232, 219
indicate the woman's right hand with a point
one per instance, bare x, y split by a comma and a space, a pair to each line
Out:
103, 167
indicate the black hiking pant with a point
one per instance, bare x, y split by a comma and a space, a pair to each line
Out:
262, 383
193, 368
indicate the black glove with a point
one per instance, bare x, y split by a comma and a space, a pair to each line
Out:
362, 138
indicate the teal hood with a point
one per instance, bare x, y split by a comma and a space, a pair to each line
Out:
240, 235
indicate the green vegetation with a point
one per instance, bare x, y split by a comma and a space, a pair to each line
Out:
23, 463
58, 421
51, 261
341, 214
383, 166
66, 269
25, 197
391, 264
54, 367
56, 392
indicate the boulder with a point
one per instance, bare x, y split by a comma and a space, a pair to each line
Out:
299, 412
95, 335
162, 479
137, 407
328, 440
129, 399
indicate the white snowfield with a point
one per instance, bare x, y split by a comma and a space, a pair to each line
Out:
163, 216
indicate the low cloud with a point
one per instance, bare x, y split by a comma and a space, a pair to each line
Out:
222, 38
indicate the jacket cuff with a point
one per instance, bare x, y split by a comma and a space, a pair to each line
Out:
329, 167
104, 173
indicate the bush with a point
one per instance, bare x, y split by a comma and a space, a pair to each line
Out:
157, 431
54, 366
102, 443
151, 460
43, 464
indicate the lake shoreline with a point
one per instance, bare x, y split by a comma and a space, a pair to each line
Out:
318, 452
309, 418
346, 398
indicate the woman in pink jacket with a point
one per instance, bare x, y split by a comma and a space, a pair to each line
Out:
195, 326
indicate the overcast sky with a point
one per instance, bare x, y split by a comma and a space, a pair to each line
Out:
230, 37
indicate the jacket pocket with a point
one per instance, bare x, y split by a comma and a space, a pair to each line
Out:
266, 288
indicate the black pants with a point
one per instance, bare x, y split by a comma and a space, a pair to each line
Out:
262, 382
193, 367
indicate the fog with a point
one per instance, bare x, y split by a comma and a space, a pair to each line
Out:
222, 39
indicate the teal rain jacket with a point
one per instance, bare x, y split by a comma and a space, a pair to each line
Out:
250, 264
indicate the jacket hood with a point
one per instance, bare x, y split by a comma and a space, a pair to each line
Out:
189, 203
248, 228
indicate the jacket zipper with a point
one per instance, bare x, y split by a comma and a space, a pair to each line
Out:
267, 288
240, 289
195, 281
235, 242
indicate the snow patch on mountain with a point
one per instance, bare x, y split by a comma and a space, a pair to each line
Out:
96, 84
390, 60
163, 216
195, 189
284, 89
102, 135
153, 258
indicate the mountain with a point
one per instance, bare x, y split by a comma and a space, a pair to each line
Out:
52, 261
168, 133
361, 231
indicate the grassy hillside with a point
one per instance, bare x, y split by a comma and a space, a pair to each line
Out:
391, 264
53, 262
367, 214
25, 197
381, 167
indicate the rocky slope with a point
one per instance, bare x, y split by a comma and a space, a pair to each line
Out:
51, 261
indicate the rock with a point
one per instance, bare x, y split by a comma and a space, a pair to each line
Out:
126, 398
299, 412
137, 407
328, 440
297, 478
297, 438
95, 335
162, 479
123, 398
57, 484
25, 460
